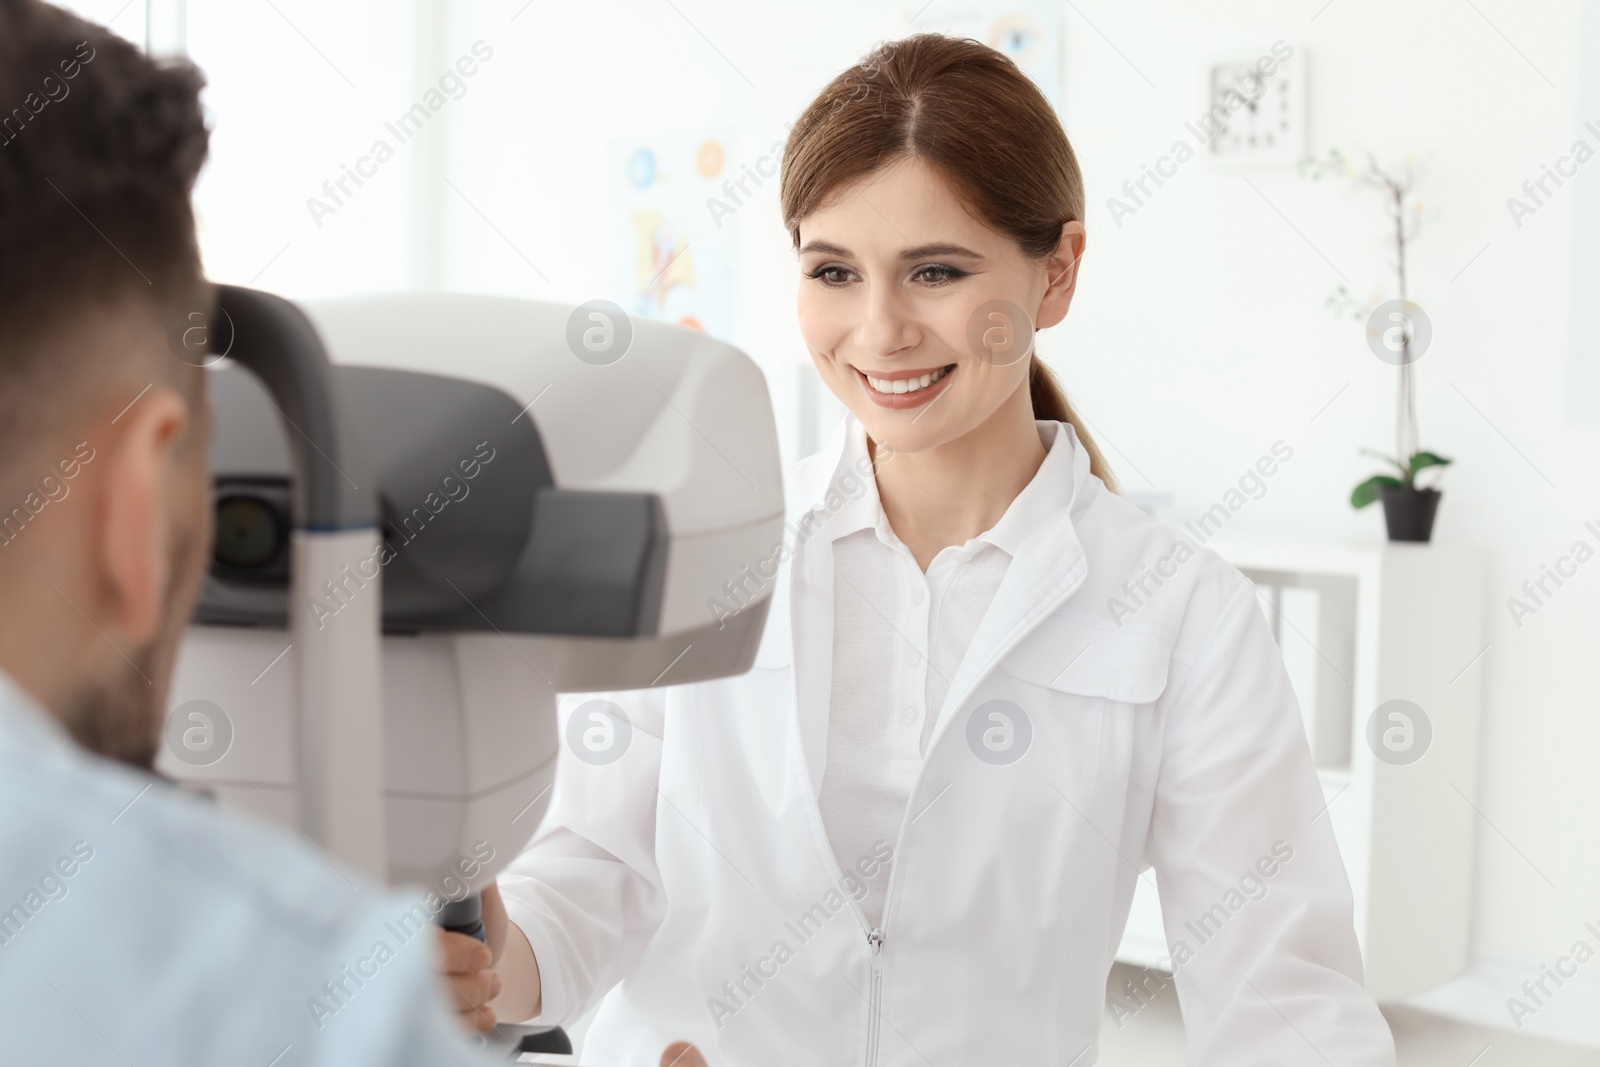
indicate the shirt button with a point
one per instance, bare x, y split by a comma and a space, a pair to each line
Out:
912, 657
916, 594
911, 716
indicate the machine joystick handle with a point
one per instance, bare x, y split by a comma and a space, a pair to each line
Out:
464, 916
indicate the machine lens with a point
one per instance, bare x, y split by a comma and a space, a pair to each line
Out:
249, 532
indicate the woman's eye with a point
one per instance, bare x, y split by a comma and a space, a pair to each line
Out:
830, 276
937, 274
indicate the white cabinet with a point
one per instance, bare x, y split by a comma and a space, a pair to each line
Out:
1360, 627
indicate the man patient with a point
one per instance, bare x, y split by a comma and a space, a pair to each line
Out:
138, 924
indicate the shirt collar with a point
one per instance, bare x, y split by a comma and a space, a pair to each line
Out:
1050, 490
865, 510
26, 726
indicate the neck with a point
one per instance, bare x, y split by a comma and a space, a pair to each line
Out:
39, 645
953, 492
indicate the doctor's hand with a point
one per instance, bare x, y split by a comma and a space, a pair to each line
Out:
467, 965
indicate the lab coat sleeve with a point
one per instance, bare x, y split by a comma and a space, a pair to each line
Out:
586, 892
1254, 896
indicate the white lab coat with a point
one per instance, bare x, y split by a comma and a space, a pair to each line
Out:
693, 878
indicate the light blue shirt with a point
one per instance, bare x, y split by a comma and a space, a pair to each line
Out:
140, 925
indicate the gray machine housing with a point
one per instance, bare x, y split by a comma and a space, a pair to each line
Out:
484, 541
389, 677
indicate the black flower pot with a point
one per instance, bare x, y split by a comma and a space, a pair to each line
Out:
1409, 512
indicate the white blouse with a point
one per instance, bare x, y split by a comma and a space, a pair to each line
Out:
898, 637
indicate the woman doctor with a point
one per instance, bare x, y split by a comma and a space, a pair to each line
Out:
991, 693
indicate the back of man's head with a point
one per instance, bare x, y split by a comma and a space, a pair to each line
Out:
99, 150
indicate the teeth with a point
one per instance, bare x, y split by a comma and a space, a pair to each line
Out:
906, 385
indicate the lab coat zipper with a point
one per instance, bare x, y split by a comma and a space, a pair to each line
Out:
874, 995
875, 935
874, 992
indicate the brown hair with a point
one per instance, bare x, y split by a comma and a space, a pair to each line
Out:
966, 110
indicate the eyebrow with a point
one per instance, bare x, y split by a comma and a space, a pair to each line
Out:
920, 252
927, 251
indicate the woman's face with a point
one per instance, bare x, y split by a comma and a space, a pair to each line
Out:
919, 317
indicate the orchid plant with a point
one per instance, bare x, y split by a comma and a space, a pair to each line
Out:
1405, 211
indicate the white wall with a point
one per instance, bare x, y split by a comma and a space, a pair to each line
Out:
1199, 335
297, 92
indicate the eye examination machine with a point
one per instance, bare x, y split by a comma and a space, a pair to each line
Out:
433, 514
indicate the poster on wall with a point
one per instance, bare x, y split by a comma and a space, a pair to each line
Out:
1029, 31
667, 257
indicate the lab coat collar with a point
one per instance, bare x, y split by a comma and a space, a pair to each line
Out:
1048, 566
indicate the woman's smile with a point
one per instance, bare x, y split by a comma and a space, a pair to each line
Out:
905, 388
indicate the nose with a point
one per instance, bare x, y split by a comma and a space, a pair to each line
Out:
887, 323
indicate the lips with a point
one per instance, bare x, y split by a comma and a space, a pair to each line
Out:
906, 388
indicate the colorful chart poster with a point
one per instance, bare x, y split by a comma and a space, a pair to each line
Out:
671, 255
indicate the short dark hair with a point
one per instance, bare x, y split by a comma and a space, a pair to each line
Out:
100, 146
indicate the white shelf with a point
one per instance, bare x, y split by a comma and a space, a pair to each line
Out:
1396, 621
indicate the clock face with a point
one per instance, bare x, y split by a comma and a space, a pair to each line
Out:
1257, 116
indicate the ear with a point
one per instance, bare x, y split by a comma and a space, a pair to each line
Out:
133, 542
1061, 274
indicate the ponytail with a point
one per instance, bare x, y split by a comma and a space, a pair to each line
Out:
1050, 404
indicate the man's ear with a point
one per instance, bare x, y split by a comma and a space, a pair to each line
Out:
133, 541
1061, 273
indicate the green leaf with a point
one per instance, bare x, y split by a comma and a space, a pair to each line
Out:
1427, 459
1368, 491
1374, 453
